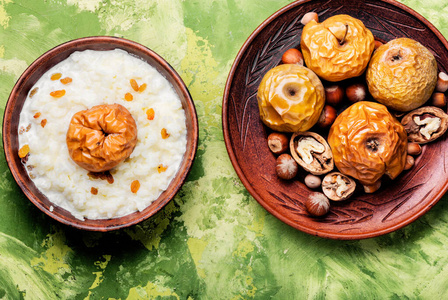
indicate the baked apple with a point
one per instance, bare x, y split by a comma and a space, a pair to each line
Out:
338, 48
402, 74
290, 98
368, 142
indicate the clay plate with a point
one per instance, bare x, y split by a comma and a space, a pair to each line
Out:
29, 78
397, 203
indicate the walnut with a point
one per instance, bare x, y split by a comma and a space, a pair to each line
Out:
311, 152
337, 186
425, 124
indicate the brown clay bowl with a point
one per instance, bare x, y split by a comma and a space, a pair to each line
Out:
17, 99
397, 203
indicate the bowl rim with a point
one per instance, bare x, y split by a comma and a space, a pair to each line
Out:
160, 64
245, 180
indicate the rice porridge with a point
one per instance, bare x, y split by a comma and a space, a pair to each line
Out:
80, 82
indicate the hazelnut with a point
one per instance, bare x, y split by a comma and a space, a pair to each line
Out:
327, 116
414, 149
334, 95
317, 204
438, 99
309, 16
312, 181
442, 82
292, 56
286, 167
409, 162
337, 186
278, 142
356, 92
377, 44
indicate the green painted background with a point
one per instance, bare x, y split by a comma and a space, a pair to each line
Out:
214, 241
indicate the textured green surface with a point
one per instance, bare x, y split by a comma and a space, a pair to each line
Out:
214, 241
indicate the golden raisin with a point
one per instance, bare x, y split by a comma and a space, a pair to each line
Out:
58, 93
24, 151
66, 80
33, 92
135, 186
128, 97
142, 88
43, 123
94, 191
56, 76
161, 168
165, 134
150, 114
37, 115
134, 85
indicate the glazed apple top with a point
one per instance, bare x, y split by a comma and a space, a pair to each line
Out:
338, 48
368, 142
101, 137
290, 98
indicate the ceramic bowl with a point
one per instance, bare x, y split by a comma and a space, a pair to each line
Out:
17, 99
398, 202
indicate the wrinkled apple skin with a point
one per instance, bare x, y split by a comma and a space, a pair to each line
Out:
402, 74
350, 139
290, 98
100, 138
327, 57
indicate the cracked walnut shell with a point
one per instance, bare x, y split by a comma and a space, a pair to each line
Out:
368, 142
101, 137
311, 152
425, 124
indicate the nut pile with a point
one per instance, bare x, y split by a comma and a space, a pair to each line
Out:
355, 139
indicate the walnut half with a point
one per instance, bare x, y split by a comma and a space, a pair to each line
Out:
337, 186
425, 124
311, 152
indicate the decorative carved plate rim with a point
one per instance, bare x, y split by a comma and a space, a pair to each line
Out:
407, 200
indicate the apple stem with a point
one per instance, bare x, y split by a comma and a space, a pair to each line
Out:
341, 42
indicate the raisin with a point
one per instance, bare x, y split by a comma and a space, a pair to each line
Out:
150, 114
142, 88
66, 80
165, 134
161, 168
33, 92
102, 175
134, 85
24, 151
128, 97
135, 186
58, 93
56, 76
